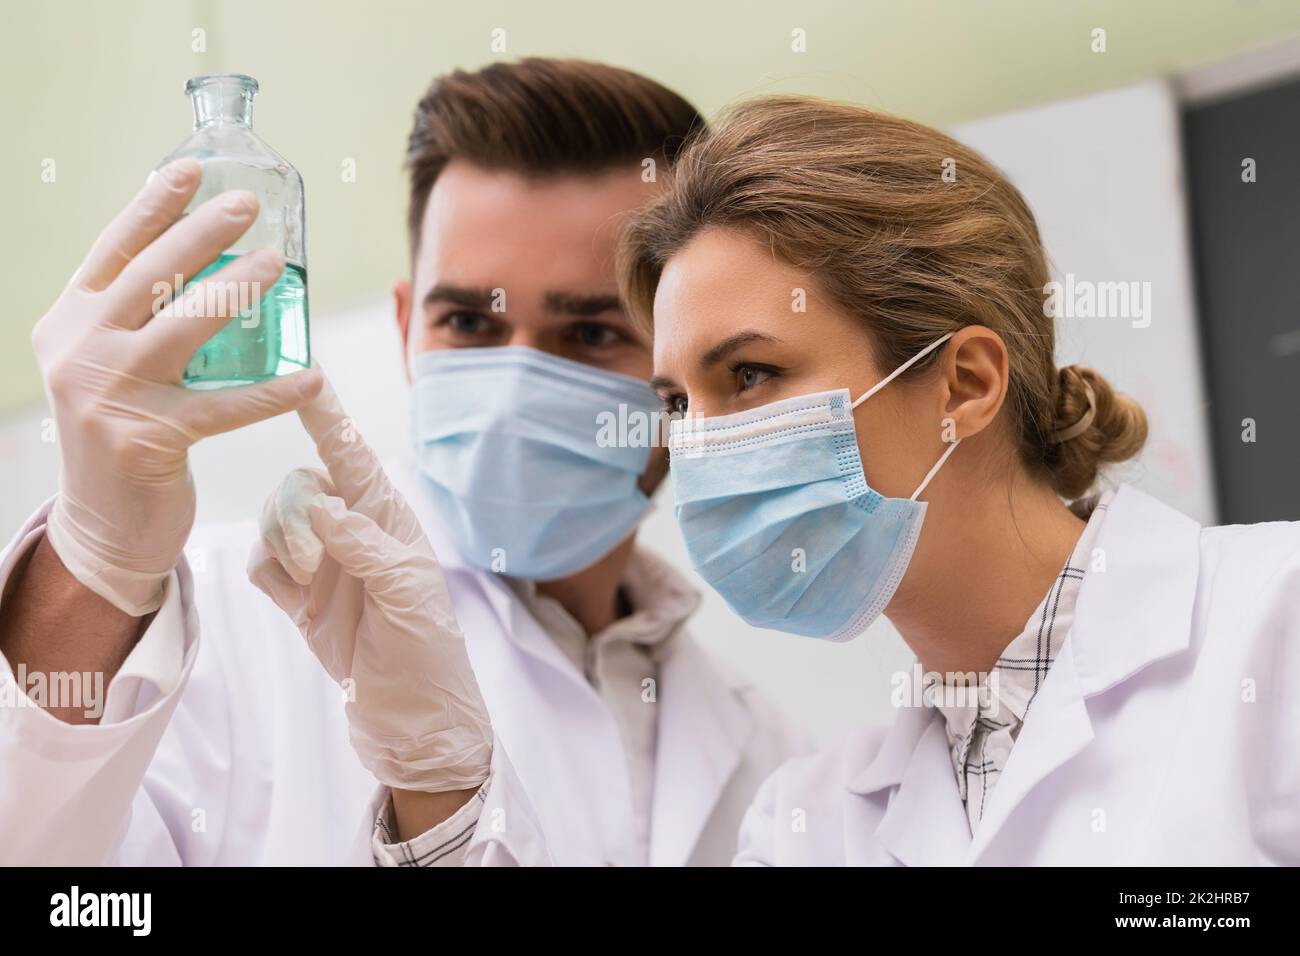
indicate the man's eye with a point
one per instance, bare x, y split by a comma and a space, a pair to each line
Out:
465, 323
593, 335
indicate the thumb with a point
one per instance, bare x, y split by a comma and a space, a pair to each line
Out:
217, 411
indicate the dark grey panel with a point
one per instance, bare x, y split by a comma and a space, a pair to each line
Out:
1246, 239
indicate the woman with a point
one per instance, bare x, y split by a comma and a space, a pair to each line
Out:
876, 424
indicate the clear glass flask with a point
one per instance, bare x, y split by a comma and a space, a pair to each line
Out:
270, 337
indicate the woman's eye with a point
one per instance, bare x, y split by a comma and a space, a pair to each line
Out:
675, 404
747, 376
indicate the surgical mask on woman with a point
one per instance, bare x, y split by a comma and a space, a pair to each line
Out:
509, 448
778, 517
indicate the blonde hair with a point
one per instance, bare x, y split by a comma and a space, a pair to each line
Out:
859, 200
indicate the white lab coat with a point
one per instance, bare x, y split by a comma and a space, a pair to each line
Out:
1167, 732
245, 758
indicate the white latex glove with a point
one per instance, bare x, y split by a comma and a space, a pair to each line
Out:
346, 558
112, 373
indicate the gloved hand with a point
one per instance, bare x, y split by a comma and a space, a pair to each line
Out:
343, 554
112, 374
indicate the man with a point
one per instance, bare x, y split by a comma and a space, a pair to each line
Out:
626, 745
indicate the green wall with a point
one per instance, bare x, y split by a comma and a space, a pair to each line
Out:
97, 87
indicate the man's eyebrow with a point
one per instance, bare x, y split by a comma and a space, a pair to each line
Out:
661, 384
576, 304
463, 296
728, 345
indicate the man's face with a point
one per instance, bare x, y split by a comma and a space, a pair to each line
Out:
509, 260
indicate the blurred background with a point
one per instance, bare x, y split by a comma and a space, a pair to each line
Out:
1157, 142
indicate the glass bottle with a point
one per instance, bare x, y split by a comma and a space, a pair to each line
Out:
270, 337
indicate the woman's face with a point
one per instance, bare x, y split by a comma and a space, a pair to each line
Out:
730, 336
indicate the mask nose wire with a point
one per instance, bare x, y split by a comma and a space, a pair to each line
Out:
901, 369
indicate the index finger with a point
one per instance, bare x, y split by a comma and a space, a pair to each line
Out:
352, 464
146, 217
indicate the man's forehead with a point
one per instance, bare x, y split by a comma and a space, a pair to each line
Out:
470, 203
488, 229
541, 275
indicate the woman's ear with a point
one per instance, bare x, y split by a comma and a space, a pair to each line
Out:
974, 368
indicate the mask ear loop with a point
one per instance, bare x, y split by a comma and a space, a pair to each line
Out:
935, 470
893, 375
901, 369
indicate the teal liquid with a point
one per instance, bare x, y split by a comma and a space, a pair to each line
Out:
259, 343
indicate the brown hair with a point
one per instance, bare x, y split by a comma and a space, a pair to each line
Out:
544, 117
859, 200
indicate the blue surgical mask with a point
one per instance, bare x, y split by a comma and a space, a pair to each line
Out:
516, 451
778, 517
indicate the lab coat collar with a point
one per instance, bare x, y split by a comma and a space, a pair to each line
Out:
661, 601
535, 699
1058, 728
703, 729
924, 823
887, 767
1136, 608
1134, 612
562, 741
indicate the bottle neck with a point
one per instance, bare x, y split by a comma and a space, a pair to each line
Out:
222, 104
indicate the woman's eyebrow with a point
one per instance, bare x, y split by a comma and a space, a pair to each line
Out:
728, 345
716, 354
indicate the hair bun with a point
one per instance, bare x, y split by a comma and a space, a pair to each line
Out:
1094, 426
